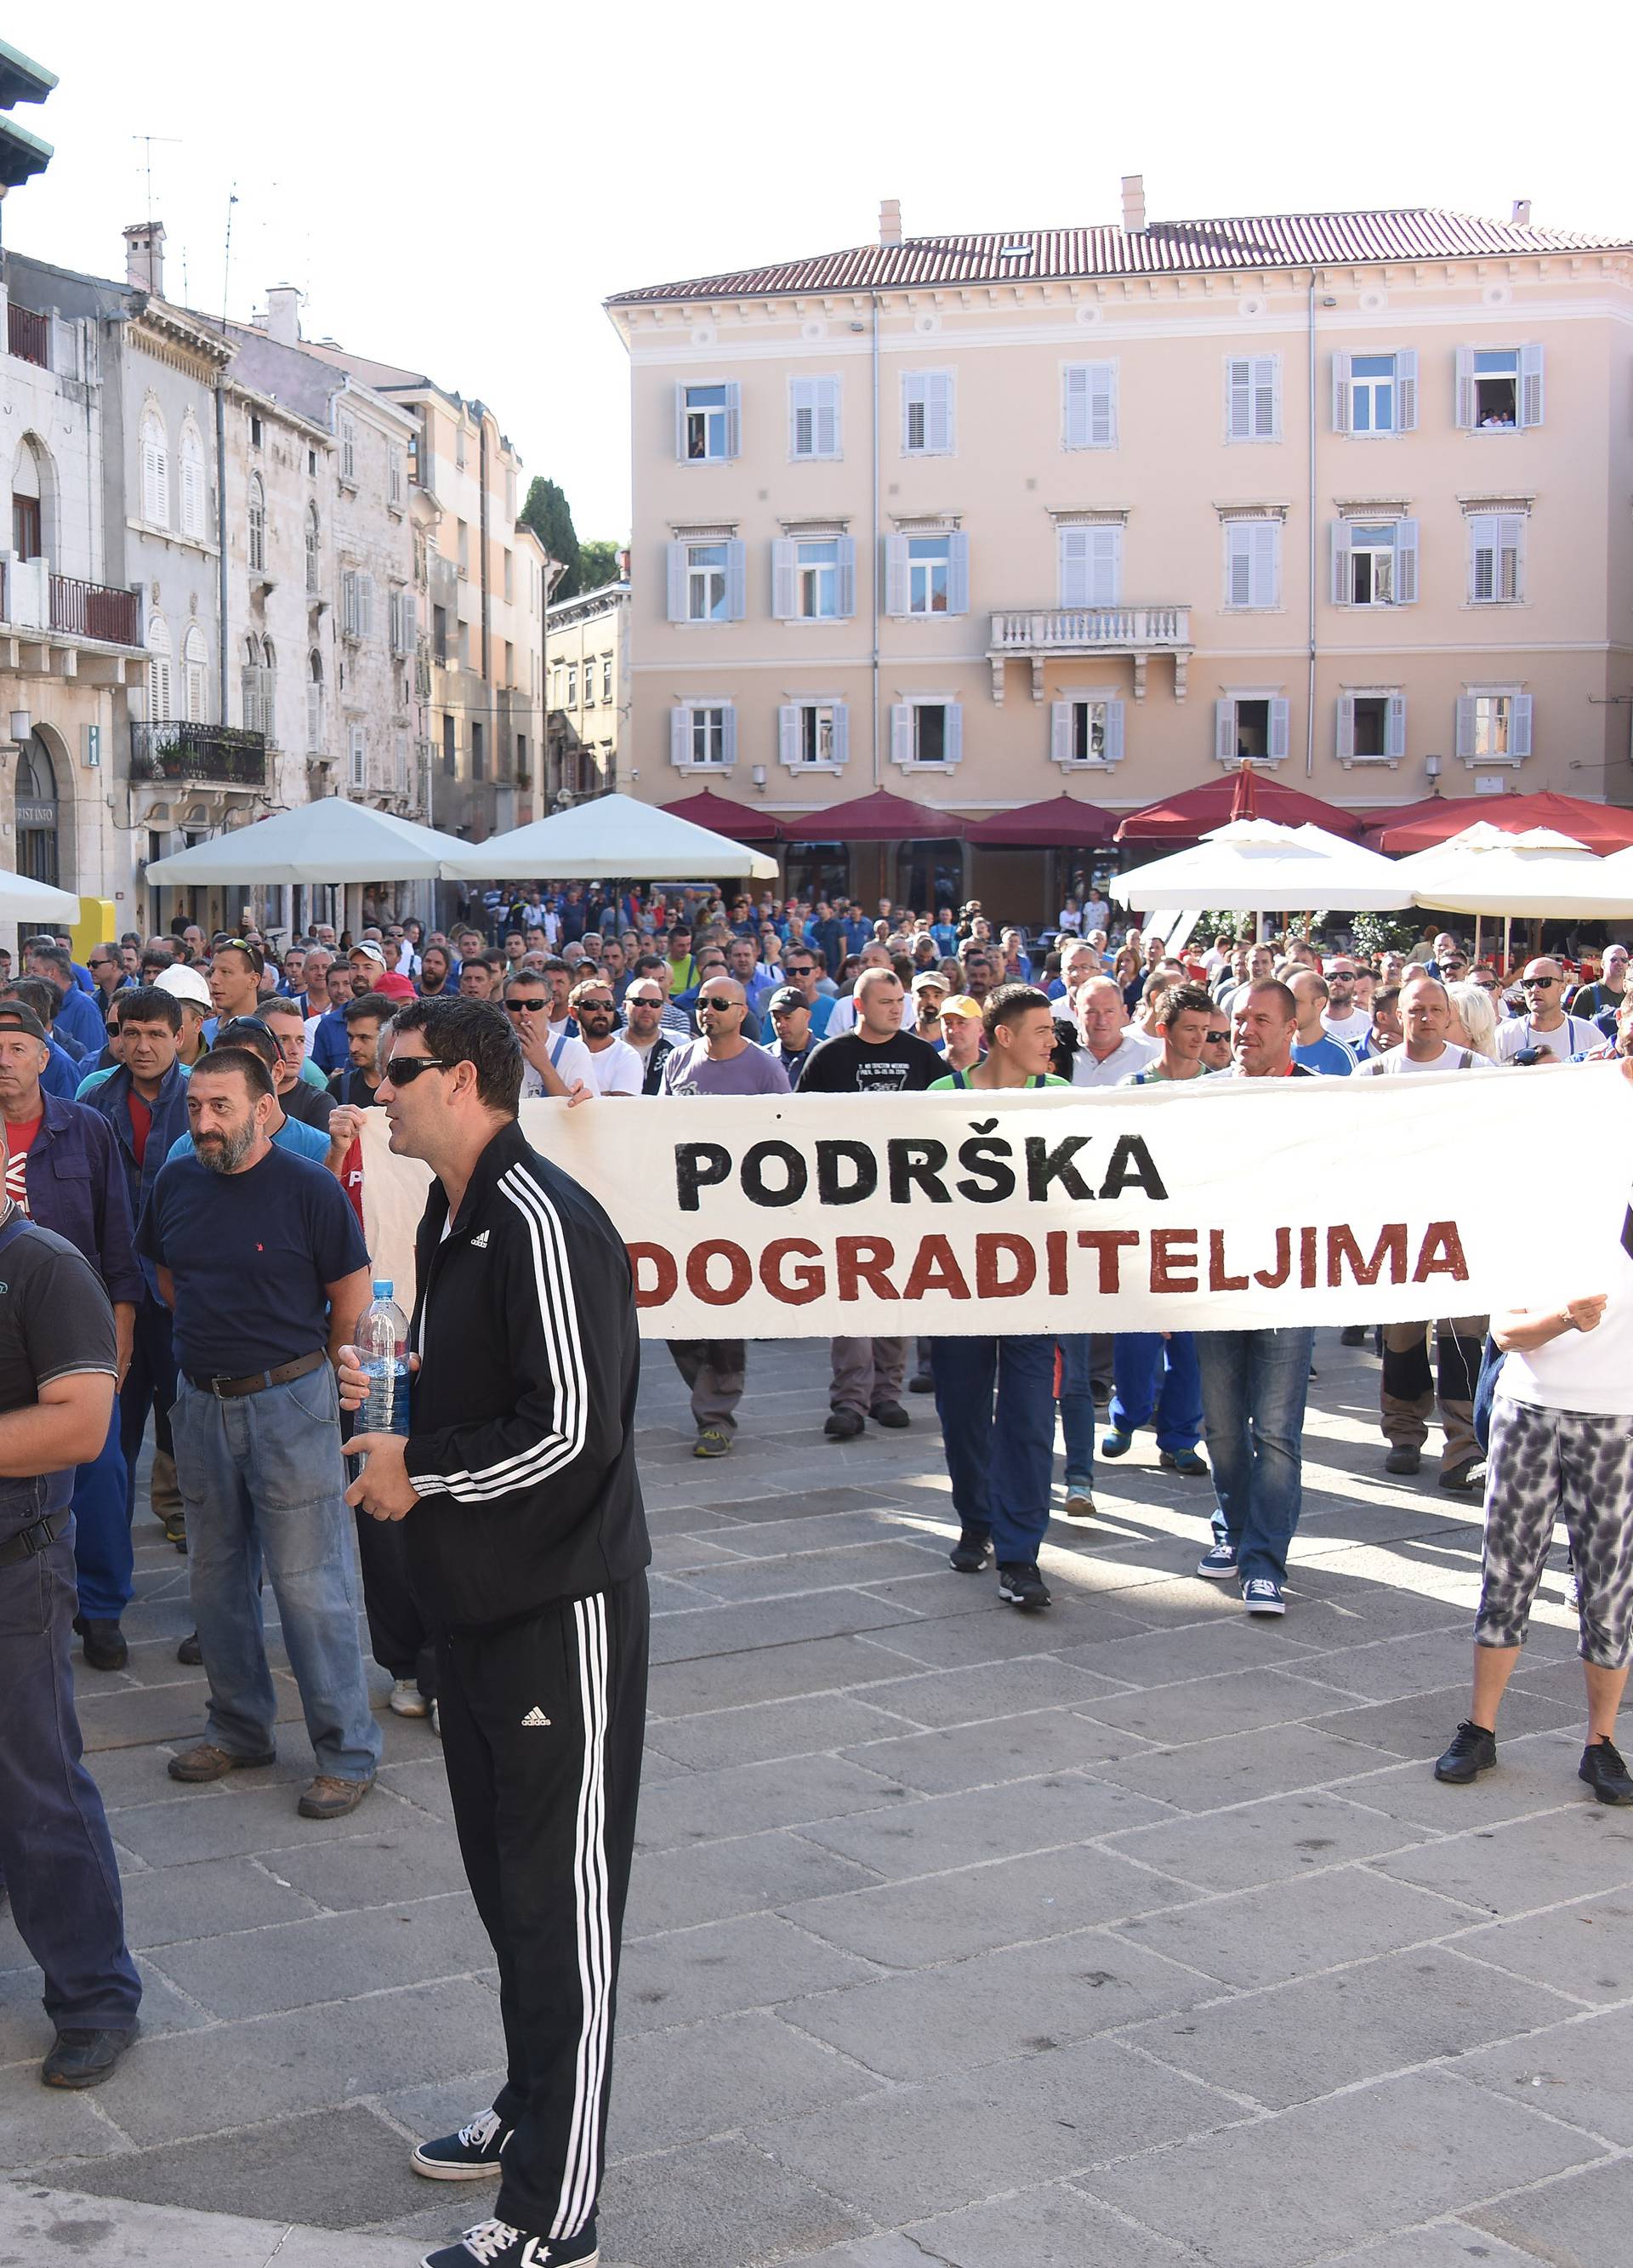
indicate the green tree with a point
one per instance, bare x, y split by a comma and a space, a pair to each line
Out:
598, 564
550, 515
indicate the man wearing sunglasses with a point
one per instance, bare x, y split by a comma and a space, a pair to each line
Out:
613, 1068
1544, 1029
1345, 1019
554, 1062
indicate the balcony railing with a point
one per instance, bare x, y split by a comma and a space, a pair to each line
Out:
27, 335
209, 753
1040, 634
93, 610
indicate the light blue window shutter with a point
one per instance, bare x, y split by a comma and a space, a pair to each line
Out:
842, 732
788, 724
1394, 733
736, 580
1406, 390
1074, 566
1344, 585
897, 589
958, 572
1239, 398
825, 417
1267, 397
1105, 566
1115, 712
1102, 405
734, 418
1519, 725
845, 578
728, 737
938, 413
1530, 385
1483, 556
1074, 410
1265, 551
785, 584
1341, 393
679, 736
801, 424
912, 391
952, 740
679, 424
1061, 751
1346, 728
1466, 714
901, 731
1238, 565
1279, 729
1464, 415
1406, 563
1224, 731
677, 581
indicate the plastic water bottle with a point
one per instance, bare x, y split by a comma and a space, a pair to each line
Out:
383, 1351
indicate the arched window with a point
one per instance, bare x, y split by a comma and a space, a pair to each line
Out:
192, 481
258, 686
155, 468
194, 668
159, 653
314, 703
28, 500
314, 540
257, 525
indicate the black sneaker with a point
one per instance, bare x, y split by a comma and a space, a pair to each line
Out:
844, 1424
970, 1554
190, 1654
467, 2156
921, 1382
1020, 1583
1354, 1335
891, 1414
1473, 1751
495, 2244
1603, 1769
102, 1642
1403, 1460
85, 2058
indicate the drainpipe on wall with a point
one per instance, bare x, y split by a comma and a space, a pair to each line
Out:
875, 576
221, 543
1309, 698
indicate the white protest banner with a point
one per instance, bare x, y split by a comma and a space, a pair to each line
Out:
1226, 1205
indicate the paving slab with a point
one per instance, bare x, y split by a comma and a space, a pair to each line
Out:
1514, 1866
1052, 2226
67, 2225
1584, 1948
1581, 2072
1287, 1929
759, 1961
1266, 1841
995, 1750
1580, 2219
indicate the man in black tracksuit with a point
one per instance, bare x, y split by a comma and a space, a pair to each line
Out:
527, 1550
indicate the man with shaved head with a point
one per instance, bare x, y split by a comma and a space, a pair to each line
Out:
1545, 1028
1111, 1052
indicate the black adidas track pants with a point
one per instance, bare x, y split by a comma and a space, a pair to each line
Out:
542, 1726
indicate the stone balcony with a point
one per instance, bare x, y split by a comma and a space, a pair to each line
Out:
1043, 634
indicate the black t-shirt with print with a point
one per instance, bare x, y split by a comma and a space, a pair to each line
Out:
54, 1318
852, 1066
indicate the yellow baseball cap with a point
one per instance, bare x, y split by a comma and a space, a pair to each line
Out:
961, 1005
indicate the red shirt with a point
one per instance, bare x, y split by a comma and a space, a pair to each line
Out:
18, 1141
141, 1125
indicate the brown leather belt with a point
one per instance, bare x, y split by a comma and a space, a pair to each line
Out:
229, 1389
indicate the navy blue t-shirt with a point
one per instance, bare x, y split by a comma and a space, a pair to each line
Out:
251, 1253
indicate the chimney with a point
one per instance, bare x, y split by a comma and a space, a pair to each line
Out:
144, 257
1134, 204
283, 314
890, 221
1521, 215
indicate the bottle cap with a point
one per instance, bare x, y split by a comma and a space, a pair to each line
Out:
384, 1288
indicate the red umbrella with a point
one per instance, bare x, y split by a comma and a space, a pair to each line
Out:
1062, 823
739, 821
880, 817
1600, 827
1186, 818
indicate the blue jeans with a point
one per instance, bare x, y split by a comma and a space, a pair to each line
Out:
1158, 1376
1076, 1406
262, 1479
103, 1552
54, 1853
1000, 1456
1253, 1389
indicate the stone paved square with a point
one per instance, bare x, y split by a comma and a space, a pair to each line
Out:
1133, 1936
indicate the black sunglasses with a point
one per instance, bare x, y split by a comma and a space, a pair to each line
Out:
718, 1000
1537, 984
516, 1007
1214, 1039
403, 1071
582, 1004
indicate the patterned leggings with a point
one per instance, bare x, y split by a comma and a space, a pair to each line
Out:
1547, 1465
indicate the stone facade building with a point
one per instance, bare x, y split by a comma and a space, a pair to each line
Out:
586, 662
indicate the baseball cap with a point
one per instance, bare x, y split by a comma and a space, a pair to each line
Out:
961, 1005
786, 996
394, 987
929, 980
369, 950
186, 985
15, 1016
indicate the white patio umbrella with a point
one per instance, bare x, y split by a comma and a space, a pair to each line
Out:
613, 838
331, 840
24, 900
1538, 874
1254, 866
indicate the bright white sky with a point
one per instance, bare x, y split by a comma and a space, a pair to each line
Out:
459, 193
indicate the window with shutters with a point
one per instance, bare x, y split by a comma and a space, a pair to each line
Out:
193, 499
1496, 561
1089, 405
926, 732
1253, 565
706, 581
1372, 726
357, 762
155, 469
606, 677
703, 735
160, 655
812, 419
930, 567
1374, 563
257, 511
1086, 732
1375, 394
813, 736
1494, 725
1091, 565
257, 689
314, 703
816, 580
348, 451
573, 685
1253, 398
194, 674
813, 575
1251, 725
314, 550
709, 422
396, 481
927, 426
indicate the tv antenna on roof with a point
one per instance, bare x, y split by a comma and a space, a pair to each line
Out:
173, 141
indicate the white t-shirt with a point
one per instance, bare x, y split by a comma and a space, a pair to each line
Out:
1587, 1371
1398, 1064
1352, 1029
1071, 920
1132, 1053
573, 1062
615, 1069
1572, 1037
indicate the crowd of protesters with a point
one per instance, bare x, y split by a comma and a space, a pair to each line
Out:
186, 1113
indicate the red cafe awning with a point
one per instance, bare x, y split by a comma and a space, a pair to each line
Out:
1601, 827
1063, 823
1243, 794
739, 820
880, 817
